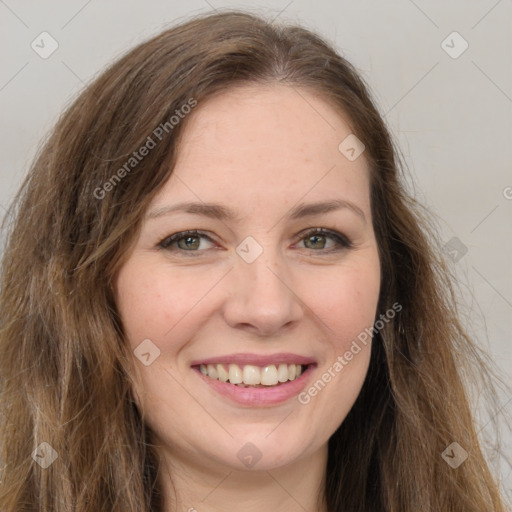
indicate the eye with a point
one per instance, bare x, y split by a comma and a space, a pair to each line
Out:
314, 239
190, 240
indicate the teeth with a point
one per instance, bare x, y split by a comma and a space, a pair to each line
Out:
282, 373
212, 371
269, 375
235, 374
251, 375
223, 374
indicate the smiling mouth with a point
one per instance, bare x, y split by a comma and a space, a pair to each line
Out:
252, 376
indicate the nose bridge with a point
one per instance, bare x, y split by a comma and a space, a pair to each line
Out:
262, 295
259, 266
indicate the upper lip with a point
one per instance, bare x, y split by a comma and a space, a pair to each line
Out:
256, 359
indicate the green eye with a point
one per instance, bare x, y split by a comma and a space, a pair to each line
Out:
189, 241
317, 234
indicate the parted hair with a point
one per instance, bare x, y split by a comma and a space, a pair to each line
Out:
66, 367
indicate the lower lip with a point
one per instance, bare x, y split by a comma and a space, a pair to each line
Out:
259, 396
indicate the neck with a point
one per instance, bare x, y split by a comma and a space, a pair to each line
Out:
192, 486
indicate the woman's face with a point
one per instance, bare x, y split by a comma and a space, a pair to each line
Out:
256, 291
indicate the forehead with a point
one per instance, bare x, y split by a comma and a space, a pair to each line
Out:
260, 146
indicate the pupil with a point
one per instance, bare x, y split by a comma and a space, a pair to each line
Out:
187, 239
315, 237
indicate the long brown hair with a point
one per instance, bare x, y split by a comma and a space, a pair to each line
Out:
64, 364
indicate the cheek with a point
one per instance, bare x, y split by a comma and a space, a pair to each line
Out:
347, 307
152, 301
347, 303
348, 310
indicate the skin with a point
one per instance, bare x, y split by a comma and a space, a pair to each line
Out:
259, 150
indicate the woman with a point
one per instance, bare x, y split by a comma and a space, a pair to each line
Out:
217, 294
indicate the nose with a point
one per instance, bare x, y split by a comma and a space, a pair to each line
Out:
263, 299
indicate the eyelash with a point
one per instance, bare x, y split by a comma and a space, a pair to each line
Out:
342, 241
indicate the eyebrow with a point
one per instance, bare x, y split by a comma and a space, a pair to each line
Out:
223, 213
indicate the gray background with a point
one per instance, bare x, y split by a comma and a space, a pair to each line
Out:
451, 116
